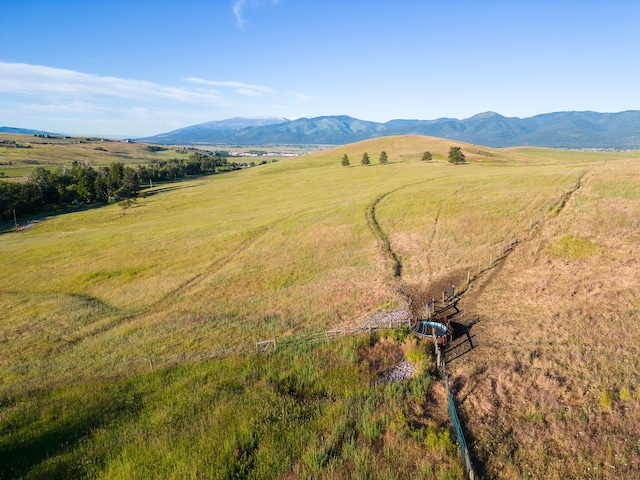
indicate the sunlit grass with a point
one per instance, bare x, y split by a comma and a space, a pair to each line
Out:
569, 246
93, 300
252, 417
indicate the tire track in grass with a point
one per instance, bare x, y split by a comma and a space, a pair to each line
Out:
216, 265
195, 280
434, 230
490, 273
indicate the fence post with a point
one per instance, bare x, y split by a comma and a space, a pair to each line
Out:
468, 278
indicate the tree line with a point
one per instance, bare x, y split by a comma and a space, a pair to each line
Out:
455, 156
105, 184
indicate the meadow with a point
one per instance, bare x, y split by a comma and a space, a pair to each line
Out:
108, 313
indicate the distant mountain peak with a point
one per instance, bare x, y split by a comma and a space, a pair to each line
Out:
560, 130
484, 115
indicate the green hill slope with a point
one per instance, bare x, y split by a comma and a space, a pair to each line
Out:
92, 299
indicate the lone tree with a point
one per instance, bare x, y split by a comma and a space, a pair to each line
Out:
456, 156
345, 161
365, 159
383, 158
426, 156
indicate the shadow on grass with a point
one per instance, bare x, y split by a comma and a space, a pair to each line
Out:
168, 188
33, 450
27, 456
43, 213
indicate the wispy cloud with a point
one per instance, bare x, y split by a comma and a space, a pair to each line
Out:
239, 87
58, 99
38, 80
239, 8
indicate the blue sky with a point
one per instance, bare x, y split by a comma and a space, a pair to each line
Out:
142, 67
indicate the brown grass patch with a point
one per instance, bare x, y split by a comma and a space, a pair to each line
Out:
549, 384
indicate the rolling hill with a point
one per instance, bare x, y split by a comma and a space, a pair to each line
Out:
129, 336
24, 131
558, 130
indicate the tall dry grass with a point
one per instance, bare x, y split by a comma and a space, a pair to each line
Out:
551, 387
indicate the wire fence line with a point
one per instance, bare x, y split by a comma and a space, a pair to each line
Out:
380, 320
384, 319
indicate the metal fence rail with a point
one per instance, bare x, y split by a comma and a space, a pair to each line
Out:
462, 443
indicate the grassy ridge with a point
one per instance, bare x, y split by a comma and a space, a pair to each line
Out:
197, 265
252, 254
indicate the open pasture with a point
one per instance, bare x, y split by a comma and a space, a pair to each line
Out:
215, 262
552, 386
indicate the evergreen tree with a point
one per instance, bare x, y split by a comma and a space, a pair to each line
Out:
426, 156
456, 156
345, 160
365, 159
383, 158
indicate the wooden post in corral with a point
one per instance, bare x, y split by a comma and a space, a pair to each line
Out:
448, 294
430, 310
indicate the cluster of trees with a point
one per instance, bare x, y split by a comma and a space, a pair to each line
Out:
456, 156
85, 184
366, 160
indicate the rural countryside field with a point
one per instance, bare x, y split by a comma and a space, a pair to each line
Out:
127, 335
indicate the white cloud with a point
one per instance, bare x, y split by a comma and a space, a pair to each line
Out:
38, 80
239, 7
237, 11
62, 100
241, 88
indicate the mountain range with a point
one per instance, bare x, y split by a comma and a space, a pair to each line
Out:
559, 130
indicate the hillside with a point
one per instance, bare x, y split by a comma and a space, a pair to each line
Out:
122, 331
558, 130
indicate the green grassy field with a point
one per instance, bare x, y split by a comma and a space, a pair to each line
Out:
90, 298
50, 153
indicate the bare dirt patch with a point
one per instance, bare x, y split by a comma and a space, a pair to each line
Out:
419, 295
